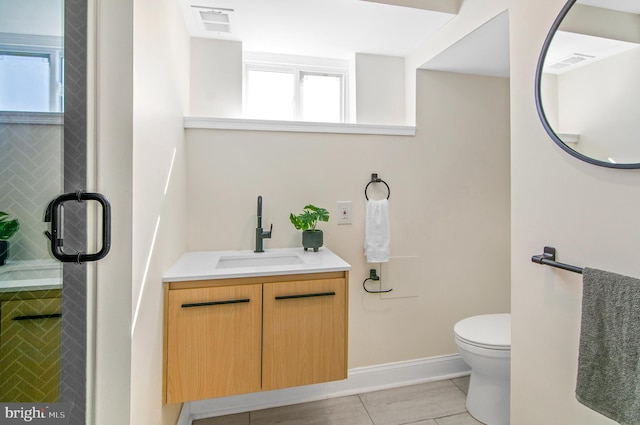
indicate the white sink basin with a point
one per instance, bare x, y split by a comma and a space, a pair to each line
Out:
201, 265
257, 260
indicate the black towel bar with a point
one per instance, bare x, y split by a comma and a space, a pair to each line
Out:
548, 258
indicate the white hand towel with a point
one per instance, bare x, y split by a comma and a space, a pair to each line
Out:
377, 236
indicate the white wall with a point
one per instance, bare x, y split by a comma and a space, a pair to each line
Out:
599, 22
380, 89
22, 17
600, 102
549, 99
215, 78
160, 94
449, 6
449, 207
140, 82
588, 213
472, 14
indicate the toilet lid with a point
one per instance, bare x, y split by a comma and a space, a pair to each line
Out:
489, 330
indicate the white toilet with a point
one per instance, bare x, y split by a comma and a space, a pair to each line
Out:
484, 343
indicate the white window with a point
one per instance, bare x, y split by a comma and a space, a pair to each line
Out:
31, 76
295, 89
321, 97
270, 93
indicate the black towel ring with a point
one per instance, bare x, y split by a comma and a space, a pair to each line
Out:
374, 277
376, 179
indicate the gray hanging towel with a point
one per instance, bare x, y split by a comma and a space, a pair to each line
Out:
609, 360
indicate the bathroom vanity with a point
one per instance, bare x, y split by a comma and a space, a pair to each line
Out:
238, 322
30, 331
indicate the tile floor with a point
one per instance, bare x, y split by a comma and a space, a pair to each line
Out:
433, 403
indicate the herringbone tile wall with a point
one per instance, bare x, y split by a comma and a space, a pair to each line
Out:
30, 351
30, 176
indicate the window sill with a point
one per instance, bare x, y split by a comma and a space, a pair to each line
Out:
297, 126
52, 118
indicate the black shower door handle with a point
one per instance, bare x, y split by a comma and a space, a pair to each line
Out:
54, 215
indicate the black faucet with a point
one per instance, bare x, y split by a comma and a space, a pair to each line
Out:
261, 234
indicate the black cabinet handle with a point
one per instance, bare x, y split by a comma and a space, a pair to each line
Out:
318, 294
39, 316
188, 305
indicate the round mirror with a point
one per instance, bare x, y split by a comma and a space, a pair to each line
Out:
587, 84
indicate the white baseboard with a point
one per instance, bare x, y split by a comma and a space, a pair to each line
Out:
360, 380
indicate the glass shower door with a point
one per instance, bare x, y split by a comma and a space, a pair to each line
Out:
42, 155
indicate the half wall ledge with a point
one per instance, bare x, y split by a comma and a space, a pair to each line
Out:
296, 126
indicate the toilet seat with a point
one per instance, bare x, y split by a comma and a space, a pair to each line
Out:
488, 331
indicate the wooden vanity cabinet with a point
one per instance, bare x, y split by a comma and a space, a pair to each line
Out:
291, 332
30, 333
304, 329
214, 337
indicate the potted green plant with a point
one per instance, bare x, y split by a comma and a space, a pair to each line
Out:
306, 221
7, 229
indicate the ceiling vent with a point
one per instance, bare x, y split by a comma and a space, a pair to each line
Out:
568, 61
213, 19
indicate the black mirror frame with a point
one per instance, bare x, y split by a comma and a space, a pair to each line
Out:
541, 114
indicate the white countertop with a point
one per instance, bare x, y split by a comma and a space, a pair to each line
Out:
203, 265
30, 275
